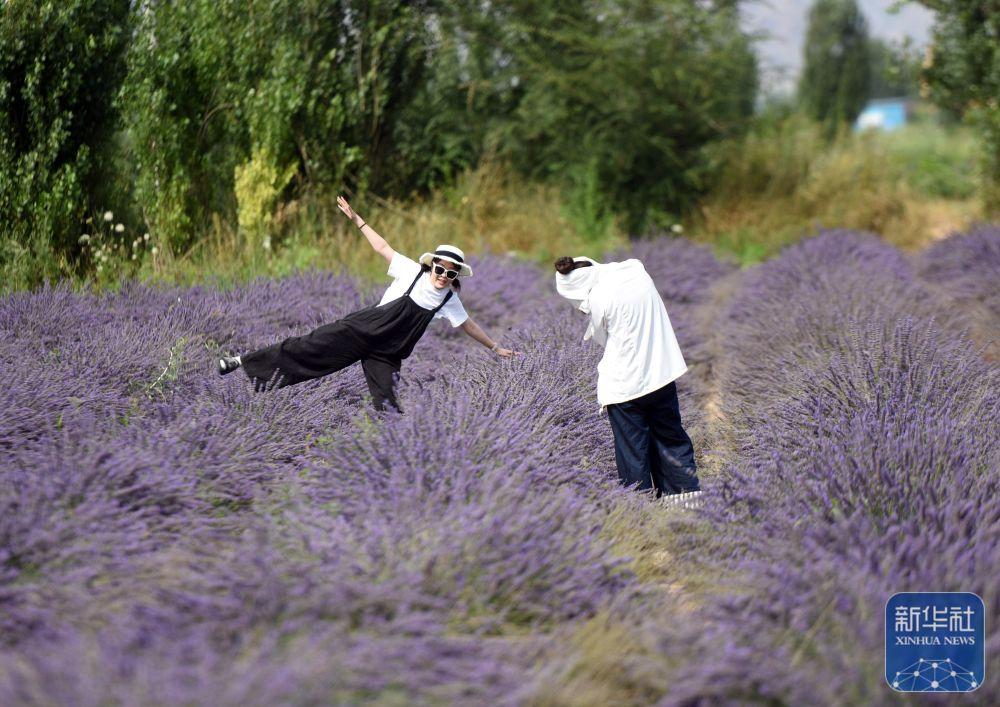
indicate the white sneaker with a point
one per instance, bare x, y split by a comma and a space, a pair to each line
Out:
688, 499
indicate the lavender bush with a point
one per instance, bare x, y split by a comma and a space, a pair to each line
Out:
791, 315
169, 537
871, 471
889, 486
965, 269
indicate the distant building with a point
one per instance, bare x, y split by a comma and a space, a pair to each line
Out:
884, 114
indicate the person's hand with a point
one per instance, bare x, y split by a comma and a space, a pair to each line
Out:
348, 211
507, 353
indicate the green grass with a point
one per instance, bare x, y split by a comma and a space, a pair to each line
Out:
936, 162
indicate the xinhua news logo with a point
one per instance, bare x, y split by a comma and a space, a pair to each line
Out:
935, 642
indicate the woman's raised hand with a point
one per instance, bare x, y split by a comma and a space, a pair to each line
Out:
375, 240
346, 208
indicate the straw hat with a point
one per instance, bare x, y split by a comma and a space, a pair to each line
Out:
451, 254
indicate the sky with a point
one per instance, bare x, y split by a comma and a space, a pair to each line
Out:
785, 21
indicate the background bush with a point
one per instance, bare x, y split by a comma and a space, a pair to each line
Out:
61, 66
962, 75
231, 115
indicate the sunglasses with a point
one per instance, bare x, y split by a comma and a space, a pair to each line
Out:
442, 270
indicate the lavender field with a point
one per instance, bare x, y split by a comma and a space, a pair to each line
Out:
167, 537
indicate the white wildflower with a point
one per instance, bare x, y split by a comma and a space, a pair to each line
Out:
154, 250
99, 267
134, 256
84, 238
145, 237
109, 217
677, 228
120, 228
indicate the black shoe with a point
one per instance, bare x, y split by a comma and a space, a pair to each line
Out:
228, 364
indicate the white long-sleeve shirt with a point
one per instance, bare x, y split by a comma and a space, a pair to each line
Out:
628, 318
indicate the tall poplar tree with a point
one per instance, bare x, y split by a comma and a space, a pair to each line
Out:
836, 76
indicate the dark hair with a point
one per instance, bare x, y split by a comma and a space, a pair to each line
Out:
565, 265
455, 284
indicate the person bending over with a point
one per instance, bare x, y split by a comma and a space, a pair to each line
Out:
635, 378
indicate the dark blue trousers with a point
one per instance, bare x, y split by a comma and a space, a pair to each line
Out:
651, 447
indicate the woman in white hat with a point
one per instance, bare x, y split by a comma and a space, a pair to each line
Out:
381, 336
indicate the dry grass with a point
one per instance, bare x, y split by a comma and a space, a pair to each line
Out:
781, 186
777, 186
487, 211
609, 662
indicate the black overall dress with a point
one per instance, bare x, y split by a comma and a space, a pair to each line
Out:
380, 337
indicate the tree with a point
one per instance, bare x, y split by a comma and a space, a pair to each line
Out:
962, 75
835, 79
620, 99
221, 90
61, 66
895, 69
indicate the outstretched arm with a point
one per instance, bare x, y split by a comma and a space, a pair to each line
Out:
377, 242
477, 333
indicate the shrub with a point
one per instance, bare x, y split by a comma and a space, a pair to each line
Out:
962, 269
61, 66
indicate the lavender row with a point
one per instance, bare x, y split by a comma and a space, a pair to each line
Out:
170, 537
790, 316
964, 270
869, 443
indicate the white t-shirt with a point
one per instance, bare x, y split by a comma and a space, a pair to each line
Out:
402, 270
628, 318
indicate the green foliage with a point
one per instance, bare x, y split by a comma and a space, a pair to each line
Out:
785, 178
628, 93
616, 99
936, 162
176, 105
205, 117
781, 155
772, 160
258, 184
835, 80
895, 69
314, 84
61, 65
586, 207
963, 76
